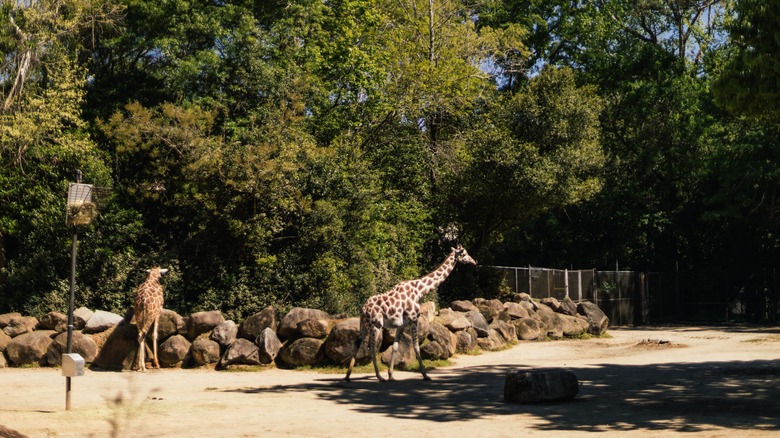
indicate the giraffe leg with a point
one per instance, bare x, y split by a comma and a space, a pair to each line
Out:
413, 324
375, 332
399, 332
154, 343
141, 351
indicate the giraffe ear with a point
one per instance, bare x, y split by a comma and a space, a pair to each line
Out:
163, 271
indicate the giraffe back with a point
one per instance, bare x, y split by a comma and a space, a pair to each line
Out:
148, 300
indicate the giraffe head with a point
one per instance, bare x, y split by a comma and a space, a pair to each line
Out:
461, 256
156, 272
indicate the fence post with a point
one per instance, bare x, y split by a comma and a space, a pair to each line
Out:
566, 281
579, 285
530, 281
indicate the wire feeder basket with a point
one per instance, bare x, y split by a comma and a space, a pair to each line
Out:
83, 200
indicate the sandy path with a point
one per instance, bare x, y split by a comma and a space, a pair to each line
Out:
713, 382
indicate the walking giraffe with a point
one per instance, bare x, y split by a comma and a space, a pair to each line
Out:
147, 308
400, 307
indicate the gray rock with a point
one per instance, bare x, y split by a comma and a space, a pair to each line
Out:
225, 333
540, 386
81, 316
81, 344
405, 357
4, 340
204, 351
30, 348
240, 352
251, 327
288, 327
269, 345
303, 351
173, 351
479, 323
102, 321
597, 320
203, 322
494, 341
20, 325
466, 341
434, 351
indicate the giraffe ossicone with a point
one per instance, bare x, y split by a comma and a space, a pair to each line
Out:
400, 307
147, 307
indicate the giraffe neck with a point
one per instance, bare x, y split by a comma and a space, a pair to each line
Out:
437, 276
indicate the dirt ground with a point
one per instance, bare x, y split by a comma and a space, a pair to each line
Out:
657, 382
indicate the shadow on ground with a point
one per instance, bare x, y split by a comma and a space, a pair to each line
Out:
683, 397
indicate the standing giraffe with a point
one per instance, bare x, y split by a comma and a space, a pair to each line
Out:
147, 308
400, 307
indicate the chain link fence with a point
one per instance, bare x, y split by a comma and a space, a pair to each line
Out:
637, 298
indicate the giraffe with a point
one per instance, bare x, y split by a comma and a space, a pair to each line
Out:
147, 308
400, 307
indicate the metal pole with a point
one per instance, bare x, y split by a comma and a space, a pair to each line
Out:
69, 345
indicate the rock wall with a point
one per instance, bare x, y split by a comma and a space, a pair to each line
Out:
302, 337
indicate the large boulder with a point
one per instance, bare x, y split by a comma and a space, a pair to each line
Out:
552, 303
117, 348
251, 327
574, 326
463, 306
269, 345
81, 316
405, 357
204, 351
225, 333
5, 318
516, 310
302, 352
30, 348
505, 329
288, 327
444, 337
479, 323
434, 351
455, 321
4, 340
203, 322
20, 325
540, 386
54, 321
102, 321
314, 328
528, 329
568, 307
240, 352
489, 308
173, 351
552, 321
341, 343
494, 341
170, 324
428, 310
597, 320
466, 341
80, 343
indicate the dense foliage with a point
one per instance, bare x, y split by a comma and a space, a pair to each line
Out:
312, 153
